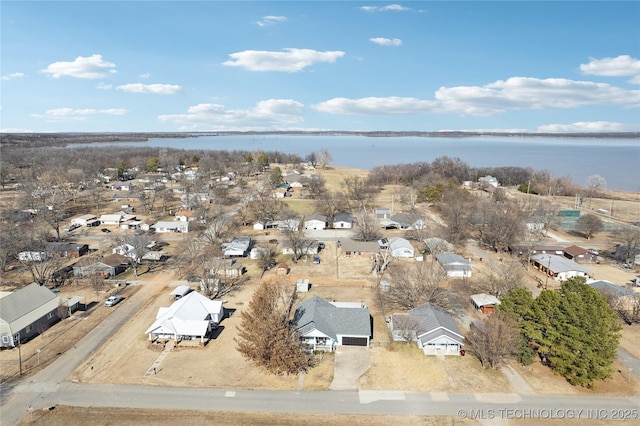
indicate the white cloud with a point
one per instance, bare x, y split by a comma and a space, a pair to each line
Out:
532, 93
372, 105
588, 127
387, 8
145, 75
386, 41
157, 89
291, 60
269, 114
104, 86
14, 75
89, 67
621, 66
9, 130
516, 93
70, 114
271, 20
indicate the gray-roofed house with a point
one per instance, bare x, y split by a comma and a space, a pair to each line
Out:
26, 312
65, 249
454, 265
558, 267
623, 298
400, 247
343, 220
356, 248
405, 221
323, 325
107, 266
431, 327
238, 247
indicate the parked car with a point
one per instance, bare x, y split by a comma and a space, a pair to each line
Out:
316, 260
270, 265
71, 228
593, 251
113, 300
105, 230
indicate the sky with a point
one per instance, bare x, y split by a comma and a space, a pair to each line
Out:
178, 66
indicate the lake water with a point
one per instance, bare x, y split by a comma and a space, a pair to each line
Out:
617, 160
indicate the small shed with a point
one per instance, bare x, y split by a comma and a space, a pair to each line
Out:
486, 303
302, 285
282, 269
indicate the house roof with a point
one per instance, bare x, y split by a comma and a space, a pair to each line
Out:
558, 263
319, 217
432, 318
65, 247
188, 316
181, 290
603, 285
406, 219
26, 305
343, 217
360, 246
575, 250
451, 259
321, 315
397, 243
484, 299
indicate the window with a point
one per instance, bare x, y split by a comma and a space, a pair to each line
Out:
50, 315
28, 329
5, 340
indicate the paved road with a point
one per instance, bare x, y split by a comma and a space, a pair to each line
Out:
49, 388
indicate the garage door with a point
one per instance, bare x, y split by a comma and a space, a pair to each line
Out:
354, 341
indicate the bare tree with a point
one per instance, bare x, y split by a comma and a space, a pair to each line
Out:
406, 327
325, 158
589, 224
358, 193
368, 228
218, 279
417, 283
493, 340
628, 239
501, 277
595, 182
295, 237
134, 247
435, 246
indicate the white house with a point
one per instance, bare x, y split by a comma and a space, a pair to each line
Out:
454, 265
559, 267
489, 180
32, 256
315, 221
432, 328
400, 247
171, 226
193, 316
343, 220
83, 220
111, 219
238, 247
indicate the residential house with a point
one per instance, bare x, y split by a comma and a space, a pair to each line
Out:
26, 312
558, 267
455, 265
579, 254
171, 226
323, 325
485, 303
357, 248
193, 316
316, 221
238, 247
121, 186
404, 221
68, 250
288, 225
83, 220
307, 247
534, 224
343, 220
126, 250
33, 256
400, 247
431, 327
489, 180
111, 219
622, 298
536, 249
226, 268
107, 266
383, 213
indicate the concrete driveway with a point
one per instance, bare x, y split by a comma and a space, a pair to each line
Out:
350, 363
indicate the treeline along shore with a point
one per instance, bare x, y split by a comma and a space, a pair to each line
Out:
35, 140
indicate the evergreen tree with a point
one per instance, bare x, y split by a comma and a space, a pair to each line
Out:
573, 330
266, 336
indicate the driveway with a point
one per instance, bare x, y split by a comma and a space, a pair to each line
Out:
350, 363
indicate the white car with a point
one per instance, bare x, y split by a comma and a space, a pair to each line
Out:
113, 300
